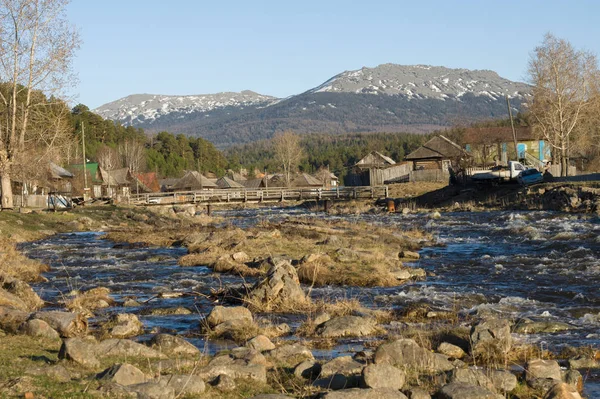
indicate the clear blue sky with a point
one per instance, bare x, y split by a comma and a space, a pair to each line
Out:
285, 47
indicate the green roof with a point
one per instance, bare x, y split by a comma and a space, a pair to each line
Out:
92, 169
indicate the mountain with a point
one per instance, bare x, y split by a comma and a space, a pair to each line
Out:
389, 97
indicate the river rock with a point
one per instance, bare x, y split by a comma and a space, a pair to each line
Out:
38, 328
451, 350
125, 347
12, 319
475, 377
491, 335
152, 390
573, 378
240, 257
172, 345
239, 363
340, 373
125, 325
539, 368
279, 290
131, 303
308, 369
416, 393
67, 324
383, 376
562, 391
321, 318
347, 326
460, 390
408, 255
526, 326
357, 393
224, 383
406, 353
123, 374
221, 314
80, 351
583, 362
21, 290
260, 343
291, 353
504, 381
183, 384
180, 310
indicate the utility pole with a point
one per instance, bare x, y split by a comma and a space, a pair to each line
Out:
512, 125
85, 182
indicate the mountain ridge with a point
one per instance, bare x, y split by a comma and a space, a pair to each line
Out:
388, 97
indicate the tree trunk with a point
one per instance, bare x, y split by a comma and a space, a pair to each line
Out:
563, 164
7, 195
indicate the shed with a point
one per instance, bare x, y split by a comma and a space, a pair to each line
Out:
375, 159
225, 183
438, 153
306, 180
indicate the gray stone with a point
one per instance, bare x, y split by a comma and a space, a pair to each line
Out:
172, 345
308, 369
240, 363
183, 384
225, 383
221, 314
340, 373
526, 326
574, 379
291, 353
383, 376
542, 369
583, 362
562, 391
491, 335
451, 350
152, 390
125, 325
131, 303
406, 354
125, 347
357, 393
123, 374
38, 328
260, 343
280, 289
459, 390
347, 326
416, 393
504, 381
321, 318
473, 377
80, 351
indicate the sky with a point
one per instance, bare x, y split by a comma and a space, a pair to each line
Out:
282, 48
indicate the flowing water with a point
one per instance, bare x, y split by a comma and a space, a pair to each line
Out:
541, 265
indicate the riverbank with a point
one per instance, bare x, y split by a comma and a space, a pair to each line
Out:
432, 350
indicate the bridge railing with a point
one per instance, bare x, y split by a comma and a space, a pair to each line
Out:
257, 195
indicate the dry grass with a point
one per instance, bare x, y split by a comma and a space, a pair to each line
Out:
15, 264
88, 301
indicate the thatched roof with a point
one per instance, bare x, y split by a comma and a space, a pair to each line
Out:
193, 180
226, 182
438, 147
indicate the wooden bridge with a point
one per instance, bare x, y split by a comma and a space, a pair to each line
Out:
225, 196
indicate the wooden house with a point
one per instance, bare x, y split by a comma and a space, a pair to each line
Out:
145, 183
439, 153
192, 181
227, 183
306, 180
116, 182
376, 169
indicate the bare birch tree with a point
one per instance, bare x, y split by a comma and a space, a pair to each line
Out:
288, 153
36, 50
563, 78
108, 158
133, 155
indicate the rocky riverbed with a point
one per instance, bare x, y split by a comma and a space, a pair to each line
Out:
495, 305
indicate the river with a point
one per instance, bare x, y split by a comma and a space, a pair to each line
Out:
540, 265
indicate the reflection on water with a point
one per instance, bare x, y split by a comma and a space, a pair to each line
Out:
517, 264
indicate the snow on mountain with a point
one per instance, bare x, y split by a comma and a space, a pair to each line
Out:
423, 81
144, 108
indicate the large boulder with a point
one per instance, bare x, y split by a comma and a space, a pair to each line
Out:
504, 381
80, 351
491, 337
239, 363
125, 347
67, 324
460, 390
340, 373
123, 374
407, 354
542, 374
290, 354
260, 343
152, 390
451, 350
279, 290
221, 314
38, 328
347, 326
562, 391
357, 393
383, 376
22, 291
475, 377
172, 345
